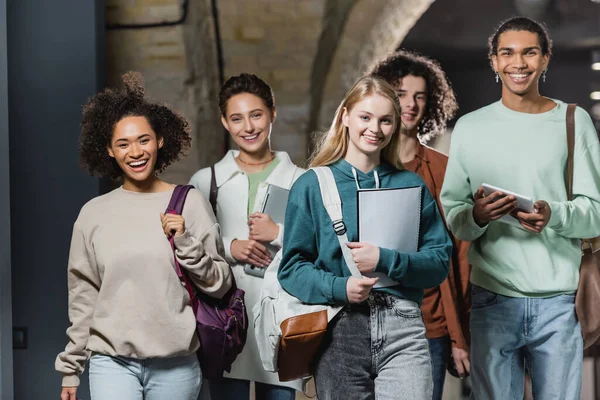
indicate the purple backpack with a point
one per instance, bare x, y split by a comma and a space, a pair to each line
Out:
221, 324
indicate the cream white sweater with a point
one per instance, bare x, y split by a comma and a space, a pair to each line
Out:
124, 295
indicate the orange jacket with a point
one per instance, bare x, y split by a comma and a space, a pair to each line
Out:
445, 308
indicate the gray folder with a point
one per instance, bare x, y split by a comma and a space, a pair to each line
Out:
390, 218
274, 206
275, 203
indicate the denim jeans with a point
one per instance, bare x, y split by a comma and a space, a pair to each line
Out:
176, 378
237, 389
440, 355
375, 350
509, 334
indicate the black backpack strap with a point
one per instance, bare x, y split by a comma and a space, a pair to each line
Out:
214, 190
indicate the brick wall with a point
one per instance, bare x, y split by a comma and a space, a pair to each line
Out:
276, 39
180, 73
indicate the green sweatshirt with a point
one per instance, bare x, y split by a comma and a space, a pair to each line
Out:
312, 266
527, 154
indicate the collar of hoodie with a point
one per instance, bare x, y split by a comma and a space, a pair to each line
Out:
375, 175
347, 171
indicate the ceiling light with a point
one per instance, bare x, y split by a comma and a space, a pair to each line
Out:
596, 59
595, 95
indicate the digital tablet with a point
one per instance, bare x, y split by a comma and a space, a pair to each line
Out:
524, 203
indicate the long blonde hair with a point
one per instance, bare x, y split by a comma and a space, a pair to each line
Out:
332, 145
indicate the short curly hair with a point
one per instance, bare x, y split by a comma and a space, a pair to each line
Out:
441, 100
103, 111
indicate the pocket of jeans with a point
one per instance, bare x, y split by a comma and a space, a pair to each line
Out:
482, 298
342, 313
406, 309
567, 298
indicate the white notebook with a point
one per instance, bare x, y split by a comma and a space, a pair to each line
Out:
389, 218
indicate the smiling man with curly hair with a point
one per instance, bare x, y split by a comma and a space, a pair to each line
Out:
428, 102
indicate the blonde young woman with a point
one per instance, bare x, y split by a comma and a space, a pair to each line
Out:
376, 347
248, 112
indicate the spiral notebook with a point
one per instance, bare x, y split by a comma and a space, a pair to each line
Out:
389, 218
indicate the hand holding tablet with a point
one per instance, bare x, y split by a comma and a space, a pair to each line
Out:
523, 213
492, 207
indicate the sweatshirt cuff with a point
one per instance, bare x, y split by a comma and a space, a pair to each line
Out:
183, 241
278, 242
70, 380
339, 290
386, 258
556, 213
187, 246
472, 225
227, 244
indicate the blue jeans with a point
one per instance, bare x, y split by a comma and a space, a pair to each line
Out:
375, 350
509, 334
176, 378
440, 355
237, 389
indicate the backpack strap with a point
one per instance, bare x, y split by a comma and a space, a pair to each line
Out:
586, 243
176, 207
178, 199
214, 190
333, 205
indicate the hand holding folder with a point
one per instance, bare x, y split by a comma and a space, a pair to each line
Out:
274, 205
389, 218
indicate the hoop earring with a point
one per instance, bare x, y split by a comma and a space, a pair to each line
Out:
497, 76
544, 75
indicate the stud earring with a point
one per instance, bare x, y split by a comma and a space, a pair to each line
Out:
497, 76
544, 75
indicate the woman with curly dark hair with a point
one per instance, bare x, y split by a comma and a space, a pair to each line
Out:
428, 102
127, 307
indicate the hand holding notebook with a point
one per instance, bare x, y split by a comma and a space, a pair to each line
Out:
273, 205
389, 218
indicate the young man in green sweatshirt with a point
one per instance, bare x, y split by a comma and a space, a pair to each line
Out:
524, 278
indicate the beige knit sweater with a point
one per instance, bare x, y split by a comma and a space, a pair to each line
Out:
124, 295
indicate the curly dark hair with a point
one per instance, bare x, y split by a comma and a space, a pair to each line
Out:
441, 100
246, 83
103, 111
520, 24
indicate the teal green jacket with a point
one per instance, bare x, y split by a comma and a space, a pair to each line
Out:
313, 268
